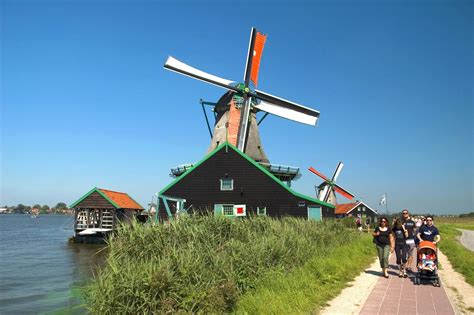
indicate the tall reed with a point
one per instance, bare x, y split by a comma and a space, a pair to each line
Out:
204, 263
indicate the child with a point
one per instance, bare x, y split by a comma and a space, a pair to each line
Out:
428, 258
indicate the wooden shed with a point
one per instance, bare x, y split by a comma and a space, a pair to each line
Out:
98, 213
228, 182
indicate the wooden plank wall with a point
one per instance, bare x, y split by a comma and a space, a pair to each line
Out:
201, 188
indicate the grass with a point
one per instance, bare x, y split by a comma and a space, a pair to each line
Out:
460, 257
307, 289
212, 264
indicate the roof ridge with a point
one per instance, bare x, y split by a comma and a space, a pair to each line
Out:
118, 192
254, 163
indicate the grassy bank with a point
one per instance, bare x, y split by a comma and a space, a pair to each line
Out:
308, 288
461, 258
211, 264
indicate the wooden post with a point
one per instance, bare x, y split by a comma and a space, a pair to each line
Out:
76, 213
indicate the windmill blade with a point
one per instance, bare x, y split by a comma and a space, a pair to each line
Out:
286, 109
248, 64
325, 193
343, 192
311, 169
243, 126
177, 66
337, 171
252, 66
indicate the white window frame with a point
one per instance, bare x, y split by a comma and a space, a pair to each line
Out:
231, 184
228, 205
264, 211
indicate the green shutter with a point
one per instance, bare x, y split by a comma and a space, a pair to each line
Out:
218, 209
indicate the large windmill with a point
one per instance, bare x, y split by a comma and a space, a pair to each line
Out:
236, 110
326, 191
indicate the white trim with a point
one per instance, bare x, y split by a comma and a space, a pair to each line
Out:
358, 204
264, 211
229, 205
231, 184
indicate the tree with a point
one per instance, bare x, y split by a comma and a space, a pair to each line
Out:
45, 208
37, 206
61, 206
21, 208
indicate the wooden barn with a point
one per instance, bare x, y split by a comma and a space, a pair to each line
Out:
99, 212
356, 209
228, 182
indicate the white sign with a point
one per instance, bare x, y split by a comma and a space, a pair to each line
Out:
240, 210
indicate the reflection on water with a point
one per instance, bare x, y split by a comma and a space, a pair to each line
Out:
40, 271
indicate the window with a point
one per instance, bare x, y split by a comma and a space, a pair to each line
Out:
227, 184
228, 210
262, 211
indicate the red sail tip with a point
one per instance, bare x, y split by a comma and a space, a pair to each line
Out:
257, 55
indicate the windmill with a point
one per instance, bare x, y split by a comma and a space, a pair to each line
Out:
326, 191
236, 110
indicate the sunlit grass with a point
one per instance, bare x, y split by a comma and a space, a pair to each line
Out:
460, 257
206, 264
308, 288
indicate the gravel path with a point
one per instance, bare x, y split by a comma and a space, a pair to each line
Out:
467, 239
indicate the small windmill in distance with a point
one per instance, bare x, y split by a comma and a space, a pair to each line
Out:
326, 191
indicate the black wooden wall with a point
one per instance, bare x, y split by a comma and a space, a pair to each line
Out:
201, 188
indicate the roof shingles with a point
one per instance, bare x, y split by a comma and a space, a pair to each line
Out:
343, 208
123, 200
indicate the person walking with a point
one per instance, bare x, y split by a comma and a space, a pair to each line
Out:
383, 239
429, 232
400, 235
411, 228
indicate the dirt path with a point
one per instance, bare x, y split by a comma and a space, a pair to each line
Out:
467, 239
352, 298
460, 293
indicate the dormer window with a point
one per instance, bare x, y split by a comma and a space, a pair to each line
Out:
227, 184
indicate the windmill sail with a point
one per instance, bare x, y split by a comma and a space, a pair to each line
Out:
286, 109
253, 100
177, 66
256, 56
329, 186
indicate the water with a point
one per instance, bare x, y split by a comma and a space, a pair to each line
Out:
40, 271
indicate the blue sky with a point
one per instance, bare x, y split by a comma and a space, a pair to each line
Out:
85, 101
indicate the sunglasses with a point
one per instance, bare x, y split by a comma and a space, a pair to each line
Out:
404, 212
383, 221
429, 220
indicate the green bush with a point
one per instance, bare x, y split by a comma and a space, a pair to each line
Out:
205, 263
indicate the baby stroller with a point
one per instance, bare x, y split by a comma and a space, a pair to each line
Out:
427, 263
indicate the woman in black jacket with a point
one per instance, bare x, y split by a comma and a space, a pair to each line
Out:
383, 239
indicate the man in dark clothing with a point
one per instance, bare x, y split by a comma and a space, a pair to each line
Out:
429, 232
410, 227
